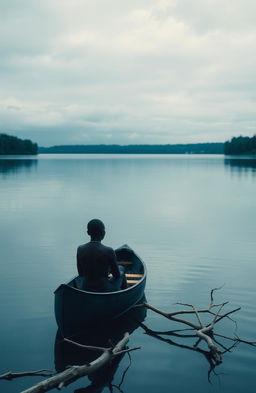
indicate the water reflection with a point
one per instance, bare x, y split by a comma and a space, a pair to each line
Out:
11, 165
241, 165
193, 344
67, 354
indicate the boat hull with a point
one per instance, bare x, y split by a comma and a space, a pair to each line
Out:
76, 309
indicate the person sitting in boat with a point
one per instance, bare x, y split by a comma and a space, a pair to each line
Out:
95, 261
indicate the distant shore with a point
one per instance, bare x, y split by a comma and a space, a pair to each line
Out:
196, 148
11, 145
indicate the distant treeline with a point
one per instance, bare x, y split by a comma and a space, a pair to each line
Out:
13, 145
241, 145
237, 145
195, 148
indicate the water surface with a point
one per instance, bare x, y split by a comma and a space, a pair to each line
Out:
191, 218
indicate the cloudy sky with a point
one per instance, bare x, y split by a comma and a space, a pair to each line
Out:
118, 71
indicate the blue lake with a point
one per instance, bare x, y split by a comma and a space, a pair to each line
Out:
191, 218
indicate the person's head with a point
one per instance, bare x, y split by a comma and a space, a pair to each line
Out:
96, 229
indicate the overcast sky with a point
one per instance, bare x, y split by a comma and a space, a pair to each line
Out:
127, 71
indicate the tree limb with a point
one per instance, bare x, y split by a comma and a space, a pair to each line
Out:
203, 332
9, 375
74, 372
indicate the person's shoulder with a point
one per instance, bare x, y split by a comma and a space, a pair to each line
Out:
108, 249
82, 247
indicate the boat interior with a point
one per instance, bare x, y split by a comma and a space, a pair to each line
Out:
131, 278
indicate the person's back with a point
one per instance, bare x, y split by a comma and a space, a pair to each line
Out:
95, 261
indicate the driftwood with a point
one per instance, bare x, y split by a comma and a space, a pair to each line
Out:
195, 348
74, 372
198, 330
42, 373
204, 332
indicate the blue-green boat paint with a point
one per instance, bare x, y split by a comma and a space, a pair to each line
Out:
76, 309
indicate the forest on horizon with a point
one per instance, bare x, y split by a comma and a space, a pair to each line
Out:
193, 148
240, 145
11, 145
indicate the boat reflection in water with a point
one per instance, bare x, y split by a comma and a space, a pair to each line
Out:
105, 335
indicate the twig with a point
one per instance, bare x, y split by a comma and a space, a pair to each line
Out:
203, 332
100, 349
253, 343
89, 347
228, 313
10, 375
124, 373
195, 311
215, 289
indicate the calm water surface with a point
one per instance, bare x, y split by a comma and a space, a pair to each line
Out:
191, 218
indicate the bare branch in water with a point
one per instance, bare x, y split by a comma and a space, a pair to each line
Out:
75, 372
42, 373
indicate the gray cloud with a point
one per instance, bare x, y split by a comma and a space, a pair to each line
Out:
127, 72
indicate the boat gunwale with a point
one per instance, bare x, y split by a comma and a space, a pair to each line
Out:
100, 293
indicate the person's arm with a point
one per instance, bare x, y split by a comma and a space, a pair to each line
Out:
78, 263
113, 264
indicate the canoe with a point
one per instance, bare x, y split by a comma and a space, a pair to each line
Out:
66, 353
76, 309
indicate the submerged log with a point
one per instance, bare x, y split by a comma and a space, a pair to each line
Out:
74, 372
